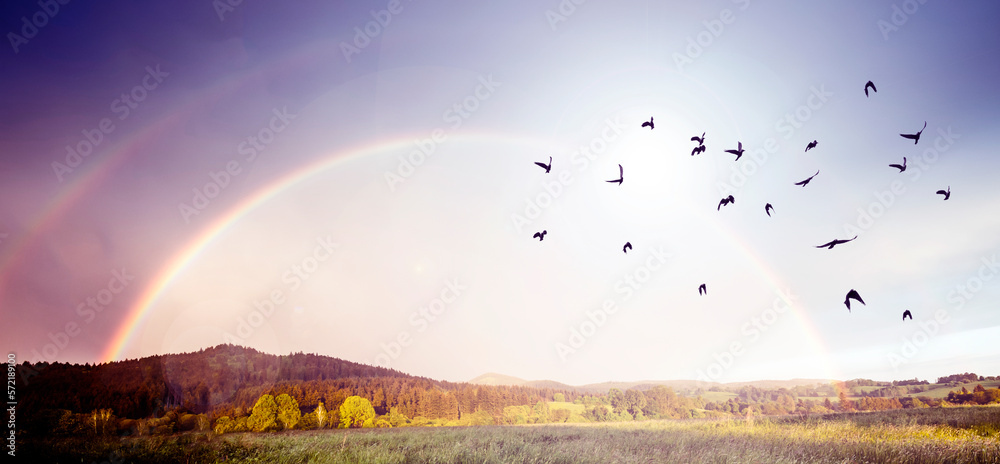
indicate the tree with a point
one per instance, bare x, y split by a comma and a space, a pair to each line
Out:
560, 415
634, 402
845, 404
355, 411
541, 412
321, 415
288, 411
264, 417
617, 399
559, 398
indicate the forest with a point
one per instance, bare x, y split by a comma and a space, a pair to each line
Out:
229, 388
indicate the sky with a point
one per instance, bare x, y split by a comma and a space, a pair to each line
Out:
358, 180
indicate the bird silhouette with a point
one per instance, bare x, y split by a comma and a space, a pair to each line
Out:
872, 85
853, 294
702, 290
544, 166
946, 193
627, 247
907, 314
811, 145
806, 182
738, 151
700, 140
621, 176
768, 208
915, 137
648, 123
901, 167
725, 201
540, 235
698, 150
829, 245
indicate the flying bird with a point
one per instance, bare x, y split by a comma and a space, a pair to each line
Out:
648, 123
946, 193
768, 208
700, 140
627, 247
872, 85
725, 201
915, 137
853, 294
829, 245
540, 235
907, 314
698, 150
702, 290
806, 182
811, 145
544, 166
621, 176
738, 151
901, 167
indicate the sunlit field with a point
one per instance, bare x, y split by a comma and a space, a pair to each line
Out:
939, 435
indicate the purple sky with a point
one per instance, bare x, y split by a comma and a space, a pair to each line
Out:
430, 267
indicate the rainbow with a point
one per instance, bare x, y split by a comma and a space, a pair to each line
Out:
150, 296
136, 315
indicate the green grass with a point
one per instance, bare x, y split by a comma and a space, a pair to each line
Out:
573, 408
718, 397
949, 435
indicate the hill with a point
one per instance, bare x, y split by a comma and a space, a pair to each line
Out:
678, 385
196, 380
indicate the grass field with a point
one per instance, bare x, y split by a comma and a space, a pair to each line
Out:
949, 435
942, 391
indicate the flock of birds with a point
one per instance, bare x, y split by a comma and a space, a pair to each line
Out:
738, 152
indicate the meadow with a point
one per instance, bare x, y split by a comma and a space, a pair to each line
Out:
936, 435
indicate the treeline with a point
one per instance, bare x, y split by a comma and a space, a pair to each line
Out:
232, 389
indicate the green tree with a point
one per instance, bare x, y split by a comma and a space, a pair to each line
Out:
264, 417
559, 397
288, 411
560, 415
634, 402
396, 418
617, 400
355, 411
541, 412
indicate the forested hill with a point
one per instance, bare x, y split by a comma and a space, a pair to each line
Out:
199, 380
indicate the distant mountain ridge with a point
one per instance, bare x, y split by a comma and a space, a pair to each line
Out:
492, 378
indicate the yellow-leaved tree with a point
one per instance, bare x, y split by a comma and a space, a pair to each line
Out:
264, 417
355, 411
288, 411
